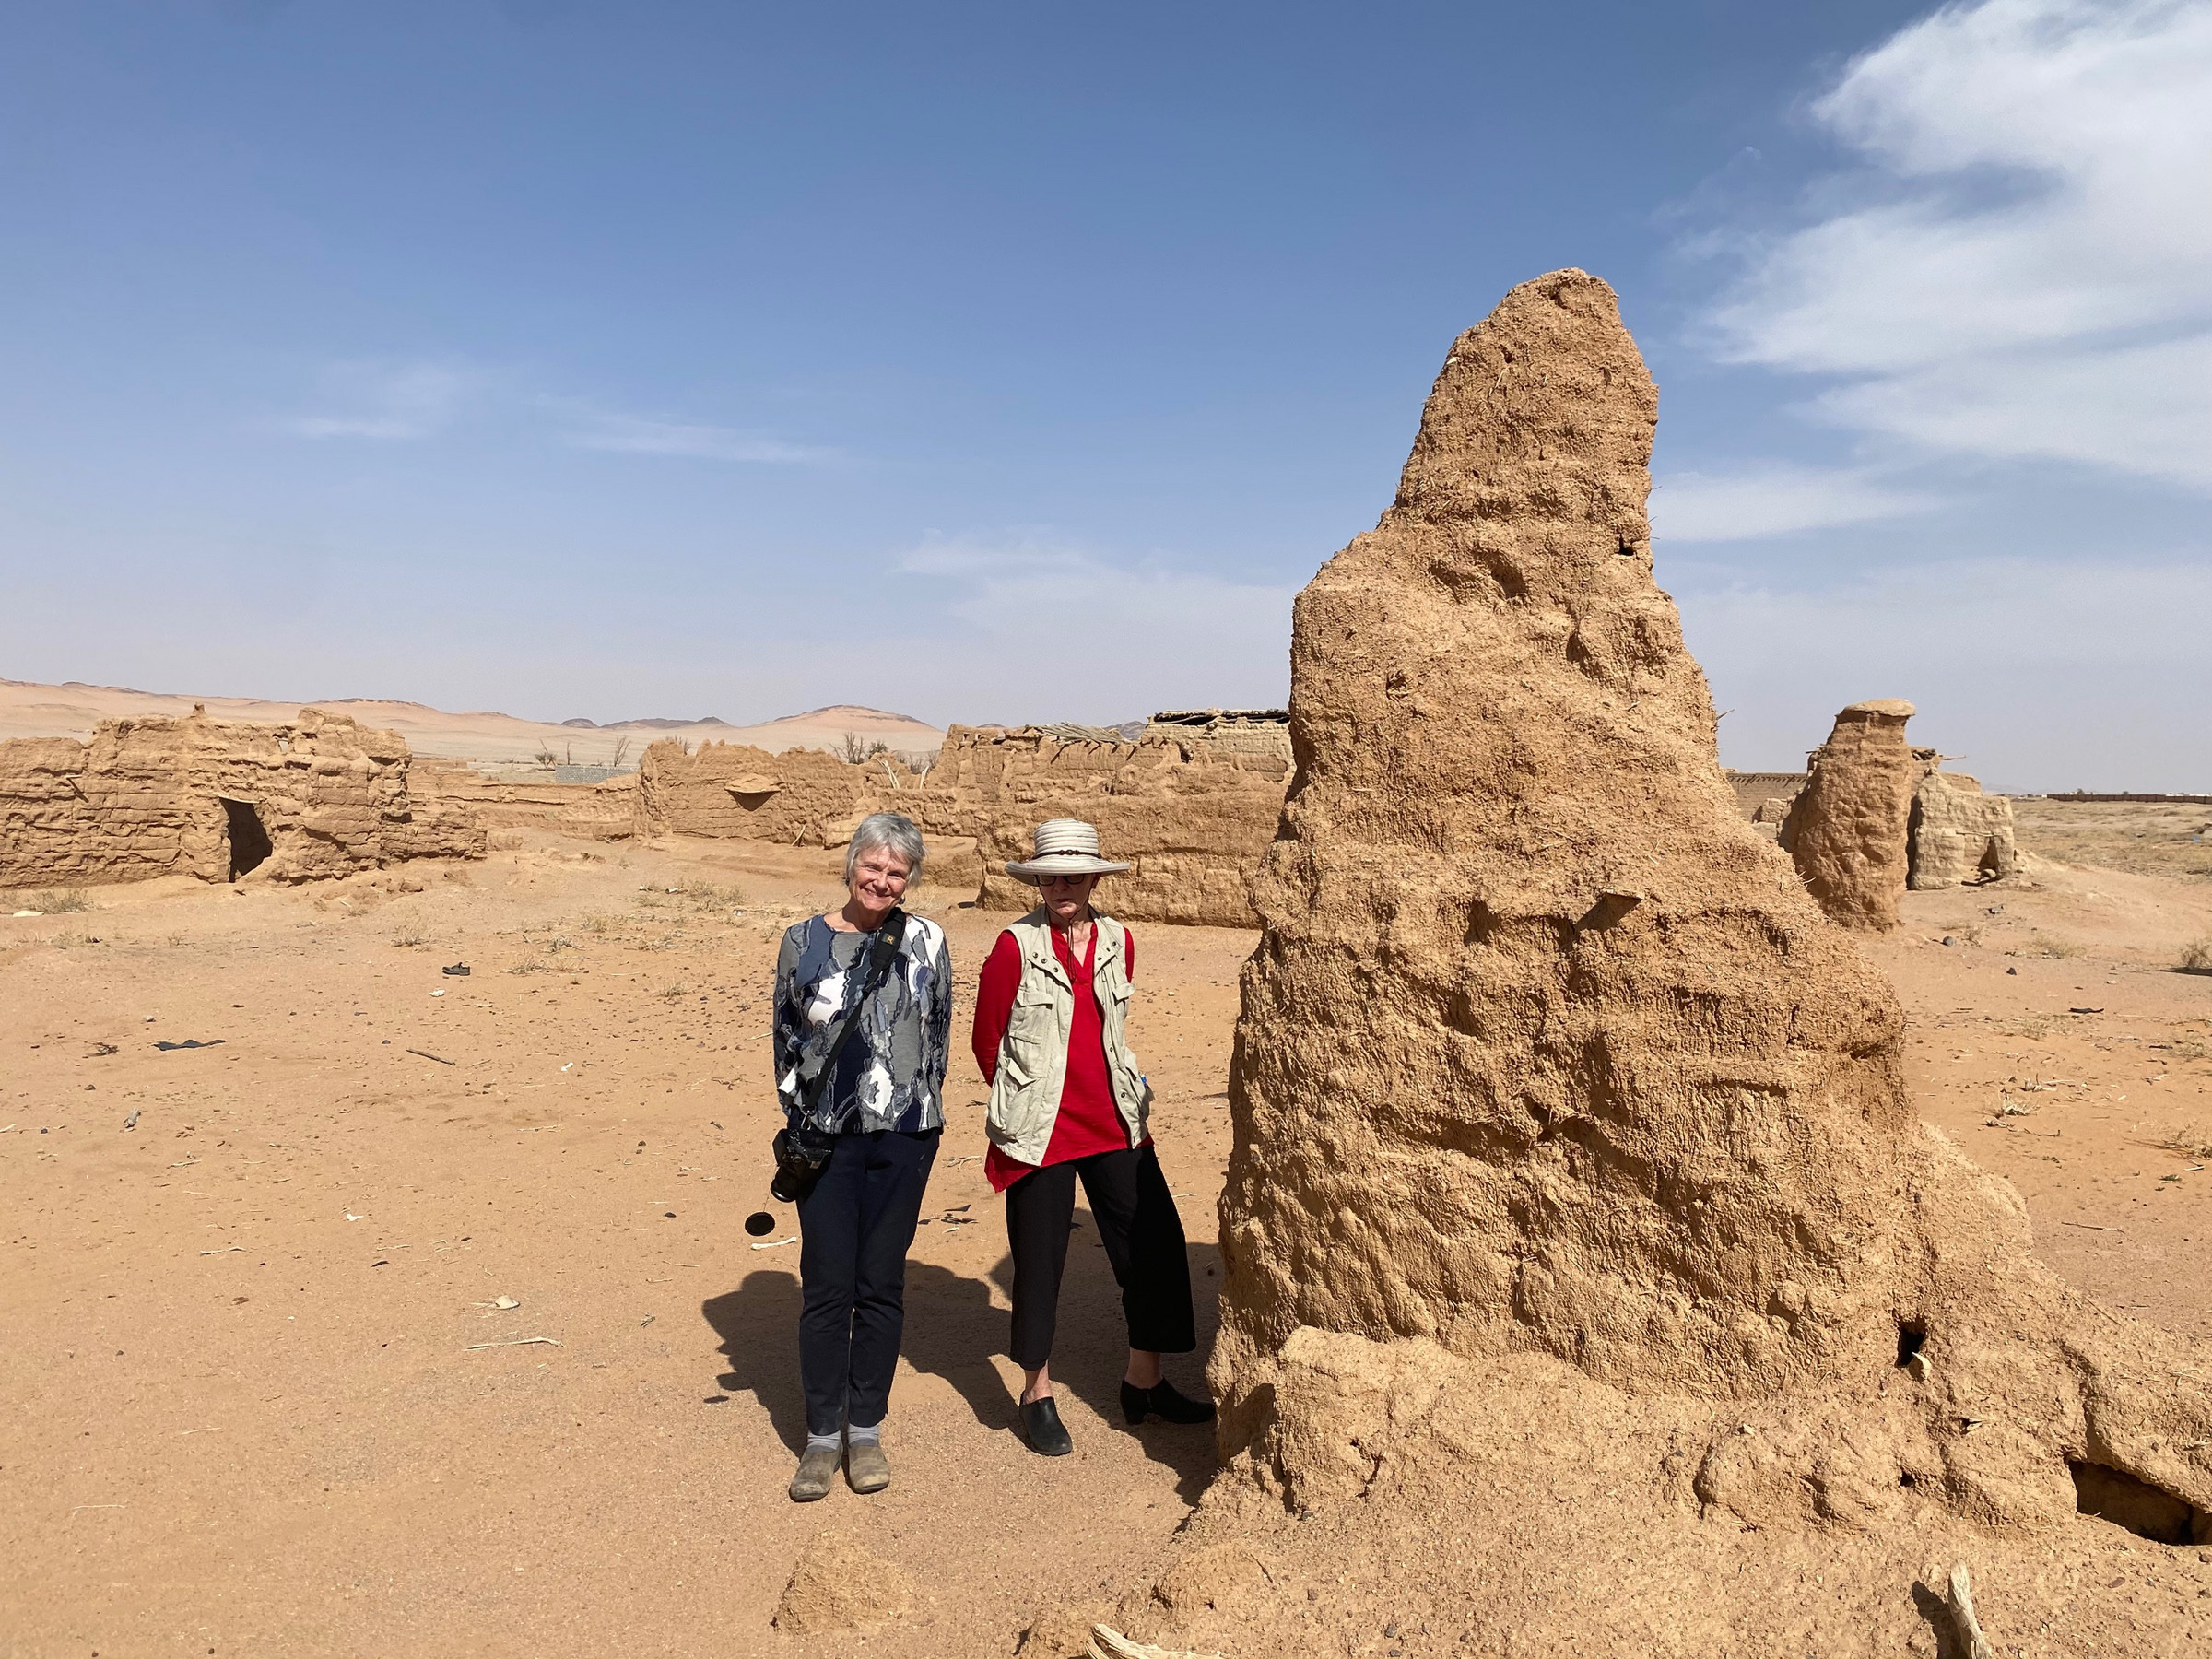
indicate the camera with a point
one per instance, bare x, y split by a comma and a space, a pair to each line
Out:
802, 1154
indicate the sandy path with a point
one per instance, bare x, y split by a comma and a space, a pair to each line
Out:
240, 1420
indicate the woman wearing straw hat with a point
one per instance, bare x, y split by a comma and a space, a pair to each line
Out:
1068, 1103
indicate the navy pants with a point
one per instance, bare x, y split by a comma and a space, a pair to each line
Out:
854, 1230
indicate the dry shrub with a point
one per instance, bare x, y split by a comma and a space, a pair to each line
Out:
2196, 957
59, 901
2059, 949
2191, 1140
409, 941
504, 841
707, 895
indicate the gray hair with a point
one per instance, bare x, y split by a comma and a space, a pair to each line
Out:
891, 829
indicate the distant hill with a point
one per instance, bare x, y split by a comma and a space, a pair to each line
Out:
72, 708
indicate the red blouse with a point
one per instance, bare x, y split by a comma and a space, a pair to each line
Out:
1089, 1121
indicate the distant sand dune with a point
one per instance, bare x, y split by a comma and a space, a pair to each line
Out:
71, 710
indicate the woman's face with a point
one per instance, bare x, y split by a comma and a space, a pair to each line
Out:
1066, 898
878, 879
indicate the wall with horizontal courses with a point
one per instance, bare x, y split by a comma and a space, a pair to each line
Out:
604, 811
801, 797
1191, 825
145, 797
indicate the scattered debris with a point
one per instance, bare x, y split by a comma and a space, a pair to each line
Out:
231, 1250
190, 1043
458, 971
647, 1320
131, 1122
99, 1049
510, 1342
351, 1217
426, 1054
1106, 1642
1962, 1615
438, 992
774, 1244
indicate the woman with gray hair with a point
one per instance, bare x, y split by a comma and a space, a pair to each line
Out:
862, 1027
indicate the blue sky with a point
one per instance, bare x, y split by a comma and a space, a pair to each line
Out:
998, 361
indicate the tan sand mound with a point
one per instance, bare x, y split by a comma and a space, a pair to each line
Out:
838, 1585
1576, 1206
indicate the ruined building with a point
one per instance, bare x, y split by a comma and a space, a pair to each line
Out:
1190, 817
1572, 1158
1878, 816
801, 797
218, 800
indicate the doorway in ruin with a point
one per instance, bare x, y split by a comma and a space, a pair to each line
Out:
249, 839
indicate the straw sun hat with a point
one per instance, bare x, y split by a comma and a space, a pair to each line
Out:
1064, 847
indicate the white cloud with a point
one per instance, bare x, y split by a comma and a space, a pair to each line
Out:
1071, 636
1772, 501
394, 402
2024, 266
638, 435
2044, 675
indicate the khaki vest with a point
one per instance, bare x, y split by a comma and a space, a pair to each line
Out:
1032, 1055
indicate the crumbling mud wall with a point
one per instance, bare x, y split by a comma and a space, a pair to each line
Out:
1190, 818
1958, 834
217, 799
1546, 1060
602, 811
801, 797
1261, 732
1846, 830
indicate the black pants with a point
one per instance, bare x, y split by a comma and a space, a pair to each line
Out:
854, 1230
1143, 1236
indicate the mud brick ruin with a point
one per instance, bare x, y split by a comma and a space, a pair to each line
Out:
217, 800
1190, 815
1567, 1129
1878, 816
801, 797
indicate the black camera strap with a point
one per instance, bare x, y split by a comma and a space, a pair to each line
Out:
881, 954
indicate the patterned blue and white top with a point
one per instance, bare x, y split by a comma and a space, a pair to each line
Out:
892, 1074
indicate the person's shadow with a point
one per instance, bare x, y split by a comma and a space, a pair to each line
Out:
953, 1332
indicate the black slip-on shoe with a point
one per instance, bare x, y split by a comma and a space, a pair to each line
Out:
1162, 1401
1041, 1426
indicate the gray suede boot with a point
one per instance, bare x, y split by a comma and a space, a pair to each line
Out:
817, 1469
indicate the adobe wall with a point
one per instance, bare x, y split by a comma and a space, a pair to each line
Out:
1191, 820
145, 797
601, 811
801, 797
1957, 834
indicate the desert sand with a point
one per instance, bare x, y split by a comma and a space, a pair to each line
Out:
28, 710
247, 1412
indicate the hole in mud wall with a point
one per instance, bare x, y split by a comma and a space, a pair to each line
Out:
1911, 1339
248, 840
2145, 1509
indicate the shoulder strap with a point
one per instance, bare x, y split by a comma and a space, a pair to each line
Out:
880, 955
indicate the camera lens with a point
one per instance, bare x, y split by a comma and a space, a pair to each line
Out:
759, 1223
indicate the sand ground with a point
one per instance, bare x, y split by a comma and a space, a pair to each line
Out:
283, 1435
